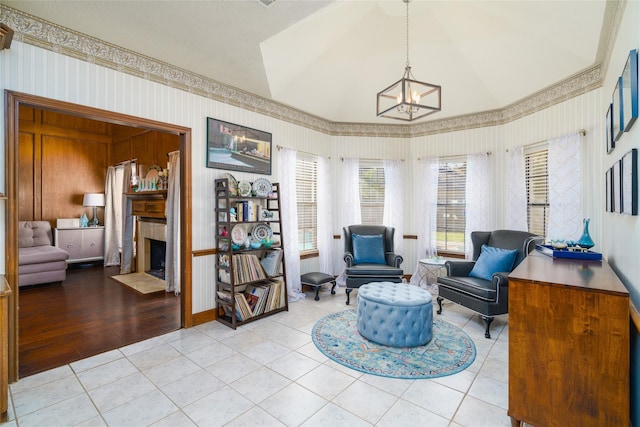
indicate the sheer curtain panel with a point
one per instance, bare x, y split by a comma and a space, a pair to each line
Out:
113, 216
289, 211
394, 201
324, 217
127, 223
565, 188
172, 213
516, 197
477, 190
426, 206
350, 213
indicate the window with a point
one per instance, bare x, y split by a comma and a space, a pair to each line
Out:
371, 173
537, 178
451, 221
306, 194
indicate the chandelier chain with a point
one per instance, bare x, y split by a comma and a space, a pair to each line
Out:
407, 2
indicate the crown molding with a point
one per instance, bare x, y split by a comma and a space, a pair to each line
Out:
47, 35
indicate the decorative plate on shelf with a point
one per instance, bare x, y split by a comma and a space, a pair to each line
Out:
238, 235
233, 184
244, 188
262, 187
260, 232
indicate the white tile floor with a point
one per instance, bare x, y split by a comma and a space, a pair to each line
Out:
265, 373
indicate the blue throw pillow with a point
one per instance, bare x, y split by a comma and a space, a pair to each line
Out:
493, 260
368, 249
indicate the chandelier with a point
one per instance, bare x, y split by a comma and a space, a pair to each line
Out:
408, 99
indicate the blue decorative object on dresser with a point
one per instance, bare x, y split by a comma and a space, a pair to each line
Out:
585, 241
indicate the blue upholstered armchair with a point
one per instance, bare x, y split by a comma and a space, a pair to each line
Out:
482, 285
369, 256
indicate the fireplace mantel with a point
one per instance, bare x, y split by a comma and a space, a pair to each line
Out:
148, 204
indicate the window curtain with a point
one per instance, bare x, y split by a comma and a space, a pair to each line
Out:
350, 196
127, 223
289, 211
516, 197
324, 217
393, 201
565, 184
172, 213
350, 213
113, 215
427, 207
477, 188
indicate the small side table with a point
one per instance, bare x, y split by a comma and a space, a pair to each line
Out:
430, 269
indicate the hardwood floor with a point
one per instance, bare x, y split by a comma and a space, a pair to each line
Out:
89, 313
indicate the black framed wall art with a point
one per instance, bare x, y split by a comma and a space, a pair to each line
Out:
616, 111
629, 91
617, 194
239, 148
629, 176
608, 190
611, 144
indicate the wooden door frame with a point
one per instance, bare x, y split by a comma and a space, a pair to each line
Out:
13, 100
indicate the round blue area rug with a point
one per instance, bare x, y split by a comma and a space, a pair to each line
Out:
449, 351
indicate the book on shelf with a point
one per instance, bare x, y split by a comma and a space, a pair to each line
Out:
256, 296
271, 261
224, 276
224, 296
247, 210
252, 300
243, 311
247, 268
275, 290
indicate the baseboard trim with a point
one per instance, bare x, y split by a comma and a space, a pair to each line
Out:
204, 316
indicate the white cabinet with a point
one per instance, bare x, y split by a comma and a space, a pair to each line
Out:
83, 244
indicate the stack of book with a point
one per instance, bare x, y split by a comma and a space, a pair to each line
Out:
247, 210
271, 261
254, 300
247, 268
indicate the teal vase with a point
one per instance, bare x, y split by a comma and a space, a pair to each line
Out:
586, 241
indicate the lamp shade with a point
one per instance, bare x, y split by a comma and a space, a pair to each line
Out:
93, 199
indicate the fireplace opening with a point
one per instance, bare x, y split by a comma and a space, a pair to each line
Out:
157, 252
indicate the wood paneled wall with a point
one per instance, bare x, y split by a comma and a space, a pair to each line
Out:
61, 157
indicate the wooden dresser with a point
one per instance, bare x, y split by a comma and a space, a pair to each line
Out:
568, 344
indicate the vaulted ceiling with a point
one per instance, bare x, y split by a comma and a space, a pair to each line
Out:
330, 58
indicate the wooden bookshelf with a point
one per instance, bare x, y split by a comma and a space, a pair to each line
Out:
245, 291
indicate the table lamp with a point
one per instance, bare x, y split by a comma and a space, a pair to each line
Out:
93, 200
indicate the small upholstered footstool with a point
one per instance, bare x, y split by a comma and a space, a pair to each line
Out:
316, 280
395, 314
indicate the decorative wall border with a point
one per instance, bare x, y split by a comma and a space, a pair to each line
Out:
47, 35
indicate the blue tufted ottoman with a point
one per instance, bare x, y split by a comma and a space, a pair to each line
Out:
395, 314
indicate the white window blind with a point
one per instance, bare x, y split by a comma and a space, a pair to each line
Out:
371, 174
451, 221
306, 192
537, 177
